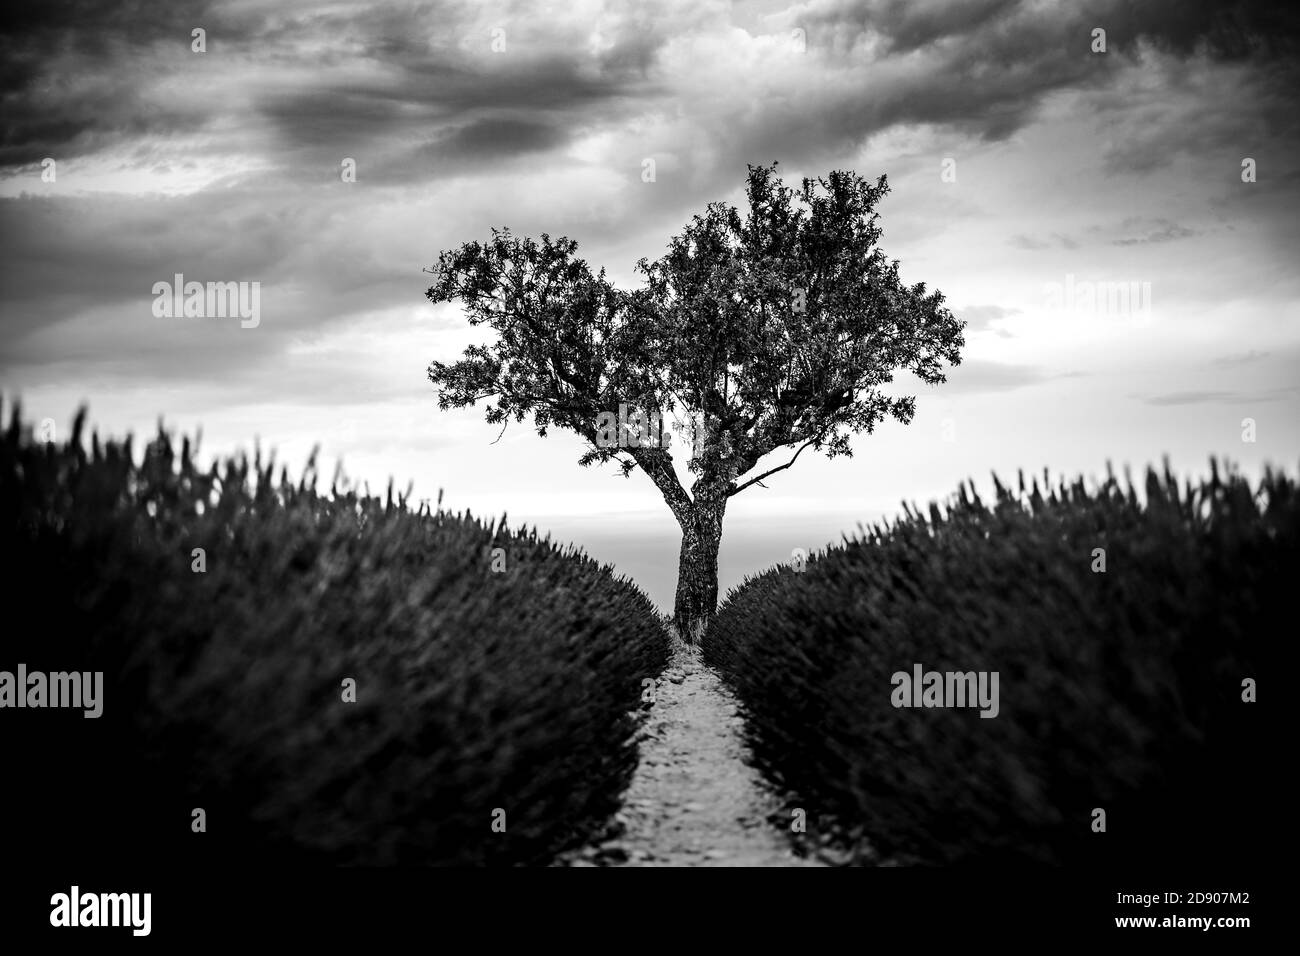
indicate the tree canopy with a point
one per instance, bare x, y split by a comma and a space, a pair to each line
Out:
779, 326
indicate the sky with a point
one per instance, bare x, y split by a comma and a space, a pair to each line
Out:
1029, 169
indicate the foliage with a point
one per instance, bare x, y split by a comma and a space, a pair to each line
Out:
1119, 690
776, 329
475, 689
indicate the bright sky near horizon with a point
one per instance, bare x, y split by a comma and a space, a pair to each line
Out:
1070, 168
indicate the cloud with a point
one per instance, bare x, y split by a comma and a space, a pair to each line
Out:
1163, 231
977, 375
1190, 398
80, 75
451, 137
300, 75
1035, 243
980, 318
1235, 29
1232, 30
425, 90
1221, 397
1242, 358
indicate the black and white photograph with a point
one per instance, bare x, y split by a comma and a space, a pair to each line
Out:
448, 437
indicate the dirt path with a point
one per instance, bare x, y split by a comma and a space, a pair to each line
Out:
693, 800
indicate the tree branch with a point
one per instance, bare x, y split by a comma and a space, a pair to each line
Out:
773, 471
658, 464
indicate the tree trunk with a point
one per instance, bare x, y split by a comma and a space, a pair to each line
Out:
697, 569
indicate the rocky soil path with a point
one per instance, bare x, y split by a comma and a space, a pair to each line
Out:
694, 801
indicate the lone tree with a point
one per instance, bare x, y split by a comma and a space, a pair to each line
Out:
768, 331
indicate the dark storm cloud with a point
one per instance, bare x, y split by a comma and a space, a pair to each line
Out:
416, 94
445, 101
424, 95
328, 79
1226, 29
984, 67
489, 137
98, 31
478, 145
75, 72
909, 25
980, 67
1223, 28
